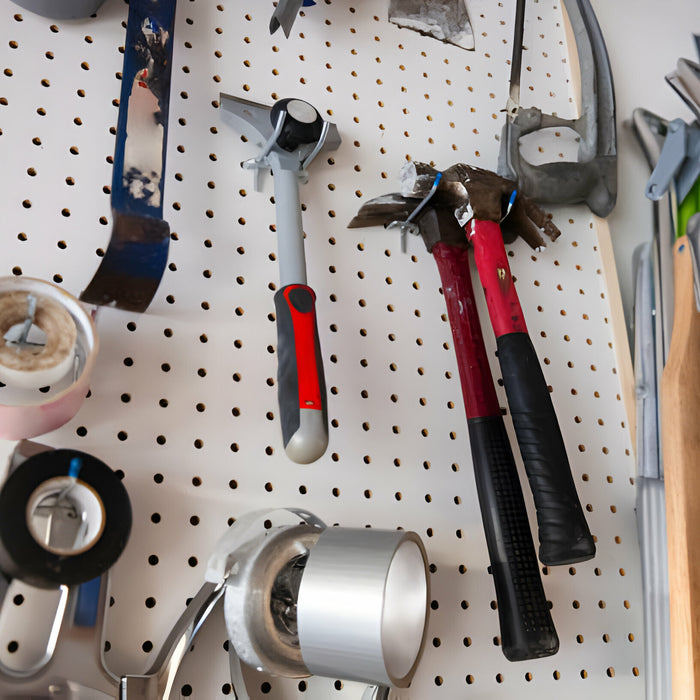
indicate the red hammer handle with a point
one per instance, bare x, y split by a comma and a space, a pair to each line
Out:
527, 630
563, 531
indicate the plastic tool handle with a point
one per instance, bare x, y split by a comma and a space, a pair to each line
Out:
527, 630
563, 532
680, 432
301, 384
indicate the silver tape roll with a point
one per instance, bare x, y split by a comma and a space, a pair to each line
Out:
61, 9
256, 624
363, 605
60, 363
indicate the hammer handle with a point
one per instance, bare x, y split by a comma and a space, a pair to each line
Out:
680, 434
563, 532
527, 630
300, 379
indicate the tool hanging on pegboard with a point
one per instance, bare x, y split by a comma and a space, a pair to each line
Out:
136, 256
294, 133
527, 630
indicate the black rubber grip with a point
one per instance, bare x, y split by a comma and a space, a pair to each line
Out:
300, 378
527, 630
563, 532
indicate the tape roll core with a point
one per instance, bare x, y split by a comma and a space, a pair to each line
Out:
65, 515
32, 366
23, 557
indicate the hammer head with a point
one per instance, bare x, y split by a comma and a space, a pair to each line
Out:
482, 194
464, 192
432, 223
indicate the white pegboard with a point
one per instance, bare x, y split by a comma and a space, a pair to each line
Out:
183, 398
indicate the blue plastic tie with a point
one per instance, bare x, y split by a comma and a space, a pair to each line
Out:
76, 464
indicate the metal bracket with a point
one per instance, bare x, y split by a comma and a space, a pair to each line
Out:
685, 80
258, 116
679, 160
409, 226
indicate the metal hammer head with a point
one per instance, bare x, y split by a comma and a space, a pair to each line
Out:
463, 191
291, 126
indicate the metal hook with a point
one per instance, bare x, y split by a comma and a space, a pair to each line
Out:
408, 226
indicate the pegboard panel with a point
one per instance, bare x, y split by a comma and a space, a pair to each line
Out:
184, 398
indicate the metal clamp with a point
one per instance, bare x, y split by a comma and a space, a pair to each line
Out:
679, 160
409, 225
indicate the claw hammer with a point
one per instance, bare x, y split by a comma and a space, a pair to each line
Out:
476, 197
527, 630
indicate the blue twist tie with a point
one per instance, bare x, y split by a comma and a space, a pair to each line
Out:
76, 464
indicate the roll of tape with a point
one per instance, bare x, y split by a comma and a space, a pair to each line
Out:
363, 605
61, 367
61, 9
65, 518
256, 600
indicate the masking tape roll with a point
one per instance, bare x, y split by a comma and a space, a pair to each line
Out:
44, 385
65, 518
29, 364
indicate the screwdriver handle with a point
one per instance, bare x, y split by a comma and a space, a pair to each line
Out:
300, 379
563, 532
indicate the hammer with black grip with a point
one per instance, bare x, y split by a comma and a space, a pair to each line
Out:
527, 630
490, 210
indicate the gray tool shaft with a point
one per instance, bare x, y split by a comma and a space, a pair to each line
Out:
651, 526
653, 320
290, 234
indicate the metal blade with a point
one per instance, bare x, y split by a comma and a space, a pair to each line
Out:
135, 260
445, 20
284, 15
383, 210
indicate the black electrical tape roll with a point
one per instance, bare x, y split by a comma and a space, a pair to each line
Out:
22, 557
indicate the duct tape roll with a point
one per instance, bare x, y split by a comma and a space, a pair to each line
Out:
61, 9
65, 518
257, 600
363, 605
48, 348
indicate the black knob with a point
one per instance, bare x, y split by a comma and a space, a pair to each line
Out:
302, 123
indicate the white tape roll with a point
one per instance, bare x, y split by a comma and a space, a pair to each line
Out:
63, 364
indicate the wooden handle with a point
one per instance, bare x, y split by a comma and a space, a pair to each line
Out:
680, 427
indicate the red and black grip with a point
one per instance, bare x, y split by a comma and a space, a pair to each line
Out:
527, 630
563, 531
300, 379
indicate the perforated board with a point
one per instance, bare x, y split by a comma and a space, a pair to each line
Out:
184, 400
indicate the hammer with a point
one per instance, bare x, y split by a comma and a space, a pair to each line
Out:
481, 201
527, 630
292, 133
